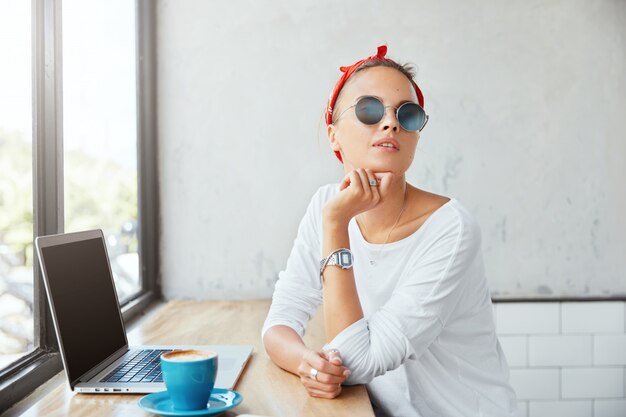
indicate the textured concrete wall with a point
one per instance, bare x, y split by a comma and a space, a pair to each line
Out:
527, 101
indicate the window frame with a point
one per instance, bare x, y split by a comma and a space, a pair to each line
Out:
23, 376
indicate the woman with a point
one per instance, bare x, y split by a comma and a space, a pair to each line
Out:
407, 309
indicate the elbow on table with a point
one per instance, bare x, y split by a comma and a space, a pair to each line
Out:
359, 379
365, 364
370, 350
363, 370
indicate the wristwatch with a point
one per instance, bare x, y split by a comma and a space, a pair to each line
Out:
340, 257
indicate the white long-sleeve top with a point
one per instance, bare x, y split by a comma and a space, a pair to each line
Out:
426, 345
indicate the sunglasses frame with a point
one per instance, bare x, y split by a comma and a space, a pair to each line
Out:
397, 109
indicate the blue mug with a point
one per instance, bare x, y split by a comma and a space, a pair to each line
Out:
189, 377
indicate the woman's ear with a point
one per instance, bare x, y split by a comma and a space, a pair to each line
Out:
331, 131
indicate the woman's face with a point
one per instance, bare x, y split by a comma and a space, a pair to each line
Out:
360, 144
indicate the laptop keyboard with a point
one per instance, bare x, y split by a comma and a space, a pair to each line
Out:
140, 366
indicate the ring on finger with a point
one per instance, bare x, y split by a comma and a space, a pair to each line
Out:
373, 183
313, 373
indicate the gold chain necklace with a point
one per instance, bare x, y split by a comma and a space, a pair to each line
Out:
373, 261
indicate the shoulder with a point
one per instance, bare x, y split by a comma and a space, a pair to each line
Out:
312, 216
451, 234
322, 195
454, 221
463, 216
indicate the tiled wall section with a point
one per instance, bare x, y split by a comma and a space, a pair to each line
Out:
566, 359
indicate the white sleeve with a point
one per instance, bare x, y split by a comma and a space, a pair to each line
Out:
298, 291
418, 309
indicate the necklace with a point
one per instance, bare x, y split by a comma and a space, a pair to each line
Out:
373, 261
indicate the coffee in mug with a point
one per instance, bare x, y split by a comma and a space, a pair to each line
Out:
189, 377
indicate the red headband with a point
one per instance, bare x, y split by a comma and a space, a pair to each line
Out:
347, 72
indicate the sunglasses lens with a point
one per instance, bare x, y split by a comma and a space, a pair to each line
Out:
369, 110
411, 117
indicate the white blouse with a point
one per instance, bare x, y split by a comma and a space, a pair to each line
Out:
427, 344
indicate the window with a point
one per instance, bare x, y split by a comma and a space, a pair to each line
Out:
16, 179
77, 151
100, 130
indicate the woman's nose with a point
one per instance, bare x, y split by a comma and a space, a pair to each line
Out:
390, 122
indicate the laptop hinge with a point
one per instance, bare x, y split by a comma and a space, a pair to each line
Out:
108, 361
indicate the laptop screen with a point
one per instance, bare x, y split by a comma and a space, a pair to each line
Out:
85, 303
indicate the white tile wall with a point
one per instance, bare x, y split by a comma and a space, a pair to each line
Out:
609, 408
593, 317
560, 350
609, 349
515, 349
565, 359
535, 384
592, 382
527, 318
560, 408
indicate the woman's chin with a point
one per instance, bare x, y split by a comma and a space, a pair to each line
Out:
387, 166
378, 164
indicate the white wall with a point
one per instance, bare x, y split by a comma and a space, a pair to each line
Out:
527, 102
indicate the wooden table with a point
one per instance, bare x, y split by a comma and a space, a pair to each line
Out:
267, 390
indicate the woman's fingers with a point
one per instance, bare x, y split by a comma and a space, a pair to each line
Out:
357, 194
326, 378
319, 385
385, 179
322, 377
374, 188
327, 372
318, 388
324, 394
316, 360
329, 377
365, 183
345, 182
355, 182
333, 356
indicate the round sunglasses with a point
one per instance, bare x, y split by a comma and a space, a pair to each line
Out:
370, 110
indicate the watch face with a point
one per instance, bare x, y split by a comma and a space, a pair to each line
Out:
345, 258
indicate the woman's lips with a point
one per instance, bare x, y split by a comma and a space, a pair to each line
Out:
388, 144
389, 149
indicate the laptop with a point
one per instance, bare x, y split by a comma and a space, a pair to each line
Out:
89, 326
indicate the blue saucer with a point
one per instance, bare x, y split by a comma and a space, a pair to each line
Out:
220, 401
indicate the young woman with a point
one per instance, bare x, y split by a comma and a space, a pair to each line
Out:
399, 270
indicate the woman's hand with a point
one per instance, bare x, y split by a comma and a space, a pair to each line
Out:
356, 195
330, 373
